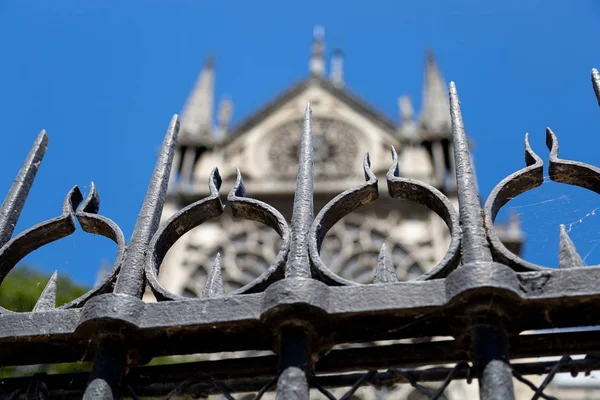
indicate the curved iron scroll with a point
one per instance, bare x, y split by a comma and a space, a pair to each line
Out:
400, 188
562, 171
57, 228
255, 210
436, 201
341, 205
178, 225
206, 209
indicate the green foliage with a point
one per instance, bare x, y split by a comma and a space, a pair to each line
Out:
20, 291
22, 287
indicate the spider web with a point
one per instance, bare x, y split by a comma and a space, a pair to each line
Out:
541, 212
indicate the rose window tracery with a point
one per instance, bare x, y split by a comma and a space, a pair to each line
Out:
335, 149
350, 249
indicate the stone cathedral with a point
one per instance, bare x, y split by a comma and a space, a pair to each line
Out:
264, 146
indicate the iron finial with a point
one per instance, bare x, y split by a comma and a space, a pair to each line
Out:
298, 265
214, 283
131, 277
568, 257
596, 83
15, 199
475, 246
385, 272
47, 300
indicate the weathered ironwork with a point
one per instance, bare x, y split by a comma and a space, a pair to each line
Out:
480, 294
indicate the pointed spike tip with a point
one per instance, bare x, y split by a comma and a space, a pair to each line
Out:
394, 154
238, 189
385, 272
530, 156
369, 175
596, 83
568, 257
72, 200
131, 279
394, 169
214, 282
367, 159
13, 203
91, 204
47, 299
475, 247
42, 137
175, 121
214, 182
455, 112
552, 143
452, 87
297, 265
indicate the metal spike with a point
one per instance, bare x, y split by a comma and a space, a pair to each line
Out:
214, 182
91, 204
15, 199
596, 83
475, 246
394, 169
72, 201
238, 188
131, 277
214, 283
530, 156
369, 175
552, 144
298, 265
385, 272
47, 300
568, 257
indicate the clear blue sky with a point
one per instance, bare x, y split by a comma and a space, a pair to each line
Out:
103, 78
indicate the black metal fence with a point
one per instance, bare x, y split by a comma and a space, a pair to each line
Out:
480, 295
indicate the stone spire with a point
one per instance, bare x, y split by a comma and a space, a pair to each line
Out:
405, 108
337, 68
408, 128
224, 116
196, 120
316, 65
435, 108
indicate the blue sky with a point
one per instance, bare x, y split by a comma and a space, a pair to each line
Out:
104, 78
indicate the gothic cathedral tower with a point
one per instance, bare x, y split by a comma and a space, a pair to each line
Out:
264, 146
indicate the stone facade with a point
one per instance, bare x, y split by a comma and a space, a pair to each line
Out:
264, 146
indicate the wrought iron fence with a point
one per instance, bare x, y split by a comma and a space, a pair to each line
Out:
480, 295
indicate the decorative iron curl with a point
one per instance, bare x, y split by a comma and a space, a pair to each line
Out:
436, 201
178, 225
340, 206
367, 193
57, 228
510, 187
562, 171
91, 222
571, 172
206, 209
254, 210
